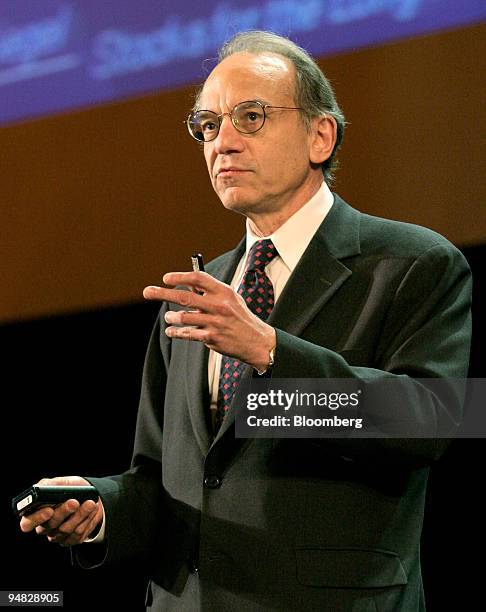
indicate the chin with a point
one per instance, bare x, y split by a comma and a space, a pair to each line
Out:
236, 202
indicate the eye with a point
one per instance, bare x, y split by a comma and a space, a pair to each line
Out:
252, 116
208, 126
206, 122
248, 117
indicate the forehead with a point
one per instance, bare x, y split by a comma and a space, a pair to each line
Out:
246, 76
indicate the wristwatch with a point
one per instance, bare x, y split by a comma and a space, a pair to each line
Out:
271, 361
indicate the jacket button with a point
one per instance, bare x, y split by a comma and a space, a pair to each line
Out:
212, 482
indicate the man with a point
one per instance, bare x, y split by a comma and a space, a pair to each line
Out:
228, 524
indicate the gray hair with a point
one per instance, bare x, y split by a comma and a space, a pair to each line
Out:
314, 93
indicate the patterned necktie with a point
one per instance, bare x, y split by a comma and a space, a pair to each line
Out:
257, 291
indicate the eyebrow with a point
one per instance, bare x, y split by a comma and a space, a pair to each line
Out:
260, 100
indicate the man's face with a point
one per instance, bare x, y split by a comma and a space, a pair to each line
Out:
270, 170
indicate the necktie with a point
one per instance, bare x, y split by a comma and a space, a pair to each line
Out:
257, 291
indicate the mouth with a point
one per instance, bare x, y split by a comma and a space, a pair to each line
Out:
230, 172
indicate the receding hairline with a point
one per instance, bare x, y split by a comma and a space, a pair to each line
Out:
270, 55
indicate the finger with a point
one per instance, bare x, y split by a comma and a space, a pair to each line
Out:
187, 299
193, 280
61, 513
200, 280
86, 527
82, 531
45, 481
62, 481
37, 518
76, 524
183, 317
187, 333
83, 513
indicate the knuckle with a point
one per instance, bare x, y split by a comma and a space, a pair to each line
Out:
218, 322
44, 516
225, 308
186, 298
89, 508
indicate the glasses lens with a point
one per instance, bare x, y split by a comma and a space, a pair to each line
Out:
204, 125
248, 117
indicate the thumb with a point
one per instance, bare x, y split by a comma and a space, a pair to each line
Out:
63, 481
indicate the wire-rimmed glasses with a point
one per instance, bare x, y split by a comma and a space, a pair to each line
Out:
248, 117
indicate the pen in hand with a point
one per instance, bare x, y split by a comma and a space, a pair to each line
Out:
197, 265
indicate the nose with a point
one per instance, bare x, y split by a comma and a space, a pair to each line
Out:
228, 140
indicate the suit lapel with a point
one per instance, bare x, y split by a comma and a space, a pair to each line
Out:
196, 380
319, 273
314, 281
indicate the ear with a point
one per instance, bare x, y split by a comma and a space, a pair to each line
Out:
323, 138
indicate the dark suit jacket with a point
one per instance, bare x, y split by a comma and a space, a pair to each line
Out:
298, 524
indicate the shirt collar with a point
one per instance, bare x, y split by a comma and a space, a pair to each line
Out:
292, 238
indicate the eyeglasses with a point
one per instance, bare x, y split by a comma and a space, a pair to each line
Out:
247, 117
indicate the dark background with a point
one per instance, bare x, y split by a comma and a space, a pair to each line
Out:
70, 393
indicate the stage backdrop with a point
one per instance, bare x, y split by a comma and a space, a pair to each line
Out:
59, 54
98, 202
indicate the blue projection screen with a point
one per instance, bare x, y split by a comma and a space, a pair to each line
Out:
63, 54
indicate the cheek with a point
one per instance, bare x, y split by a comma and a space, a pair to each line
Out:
297, 154
285, 159
210, 158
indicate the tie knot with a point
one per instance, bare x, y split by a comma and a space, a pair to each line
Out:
261, 254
